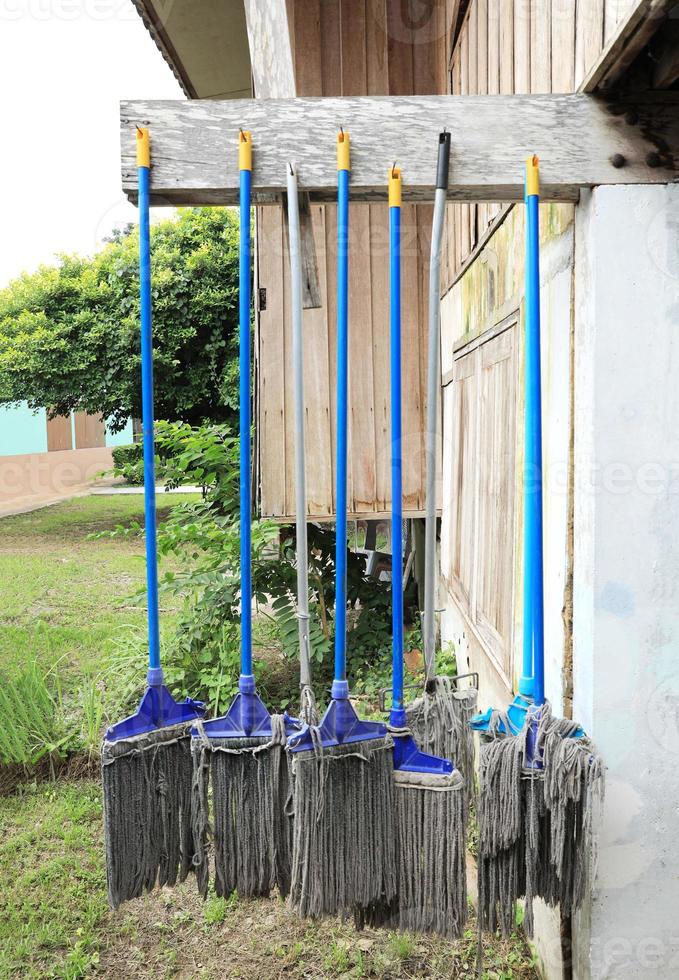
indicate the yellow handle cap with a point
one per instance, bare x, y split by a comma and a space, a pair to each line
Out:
244, 150
143, 147
343, 151
532, 175
395, 185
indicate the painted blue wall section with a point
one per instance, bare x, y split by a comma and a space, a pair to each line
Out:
122, 438
22, 430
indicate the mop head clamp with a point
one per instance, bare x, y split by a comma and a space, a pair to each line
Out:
247, 717
407, 757
340, 725
157, 709
513, 720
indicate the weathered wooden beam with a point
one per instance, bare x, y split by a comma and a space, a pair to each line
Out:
630, 38
273, 72
582, 141
666, 71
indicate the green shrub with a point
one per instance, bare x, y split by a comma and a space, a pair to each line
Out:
128, 463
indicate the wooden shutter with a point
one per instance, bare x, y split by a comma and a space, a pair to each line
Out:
479, 490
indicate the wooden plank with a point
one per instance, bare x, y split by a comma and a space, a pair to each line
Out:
541, 46
563, 46
589, 37
615, 12
271, 353
194, 145
400, 49
317, 388
379, 293
377, 48
497, 454
331, 49
629, 39
353, 47
507, 47
521, 47
493, 47
425, 48
361, 389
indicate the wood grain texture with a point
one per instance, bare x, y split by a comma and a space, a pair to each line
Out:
194, 145
541, 46
271, 59
563, 46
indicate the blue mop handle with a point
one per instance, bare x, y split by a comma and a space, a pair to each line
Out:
155, 675
244, 297
396, 441
533, 611
340, 687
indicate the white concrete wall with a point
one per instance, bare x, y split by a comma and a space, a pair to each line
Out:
626, 570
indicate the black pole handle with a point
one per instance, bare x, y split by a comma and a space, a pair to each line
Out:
443, 161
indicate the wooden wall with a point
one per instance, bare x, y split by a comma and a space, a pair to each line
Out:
517, 47
350, 47
379, 47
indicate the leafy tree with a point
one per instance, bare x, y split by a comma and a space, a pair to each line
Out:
69, 333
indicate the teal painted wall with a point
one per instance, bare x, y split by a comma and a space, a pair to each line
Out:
122, 438
22, 430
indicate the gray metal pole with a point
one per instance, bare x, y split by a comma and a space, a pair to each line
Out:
300, 475
433, 380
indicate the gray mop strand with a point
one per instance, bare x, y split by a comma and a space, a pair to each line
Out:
431, 826
344, 851
536, 827
308, 712
439, 723
439, 719
251, 833
147, 811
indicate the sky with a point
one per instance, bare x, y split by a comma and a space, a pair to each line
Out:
64, 67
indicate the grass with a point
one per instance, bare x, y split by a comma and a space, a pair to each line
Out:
66, 597
67, 602
55, 921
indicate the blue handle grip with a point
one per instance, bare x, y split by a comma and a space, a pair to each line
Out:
342, 410
396, 456
533, 606
143, 176
244, 297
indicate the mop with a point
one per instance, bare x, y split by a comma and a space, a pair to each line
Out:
146, 758
439, 718
343, 835
308, 710
243, 752
429, 796
540, 776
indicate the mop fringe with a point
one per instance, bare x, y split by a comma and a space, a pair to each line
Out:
536, 827
432, 830
439, 723
147, 811
431, 826
343, 835
251, 832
